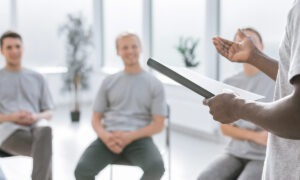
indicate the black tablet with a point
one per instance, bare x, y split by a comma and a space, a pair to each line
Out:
179, 78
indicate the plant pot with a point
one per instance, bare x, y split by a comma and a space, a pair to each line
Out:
75, 116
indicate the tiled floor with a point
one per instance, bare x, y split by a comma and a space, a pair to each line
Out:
189, 155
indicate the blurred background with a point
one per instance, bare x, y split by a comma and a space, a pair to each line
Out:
163, 25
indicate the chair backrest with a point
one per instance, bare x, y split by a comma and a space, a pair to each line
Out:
168, 128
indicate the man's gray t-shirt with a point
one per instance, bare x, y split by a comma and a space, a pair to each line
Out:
23, 90
128, 101
259, 84
283, 155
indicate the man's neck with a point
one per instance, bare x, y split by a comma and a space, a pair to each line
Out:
133, 69
13, 68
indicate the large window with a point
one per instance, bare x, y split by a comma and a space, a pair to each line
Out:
174, 19
4, 15
4, 21
39, 21
120, 16
268, 17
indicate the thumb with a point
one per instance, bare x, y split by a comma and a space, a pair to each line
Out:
205, 102
241, 34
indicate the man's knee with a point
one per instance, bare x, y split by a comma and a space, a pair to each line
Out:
80, 171
206, 175
43, 132
85, 171
155, 167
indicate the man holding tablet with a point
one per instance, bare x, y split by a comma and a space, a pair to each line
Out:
282, 117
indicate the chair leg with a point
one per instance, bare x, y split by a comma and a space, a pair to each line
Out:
169, 170
111, 172
1, 174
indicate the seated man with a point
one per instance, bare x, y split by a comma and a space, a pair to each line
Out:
245, 153
25, 104
130, 107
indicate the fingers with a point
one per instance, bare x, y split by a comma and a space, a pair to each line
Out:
223, 46
222, 41
116, 139
115, 149
221, 107
219, 47
119, 142
207, 102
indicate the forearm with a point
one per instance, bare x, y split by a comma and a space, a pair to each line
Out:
265, 63
147, 131
237, 133
280, 117
98, 128
44, 115
5, 118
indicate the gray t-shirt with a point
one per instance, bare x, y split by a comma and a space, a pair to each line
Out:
283, 155
23, 90
259, 84
128, 101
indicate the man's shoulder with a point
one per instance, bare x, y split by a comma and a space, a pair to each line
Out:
24, 72
233, 78
2, 70
113, 76
295, 10
31, 73
296, 3
151, 77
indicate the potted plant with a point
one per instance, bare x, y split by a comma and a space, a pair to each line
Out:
78, 45
186, 48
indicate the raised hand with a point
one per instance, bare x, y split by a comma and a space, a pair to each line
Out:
243, 50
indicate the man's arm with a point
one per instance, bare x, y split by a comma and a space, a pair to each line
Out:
156, 126
244, 134
108, 138
265, 63
6, 118
280, 117
25, 118
97, 125
43, 115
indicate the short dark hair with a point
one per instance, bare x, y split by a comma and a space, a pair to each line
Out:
9, 34
250, 29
